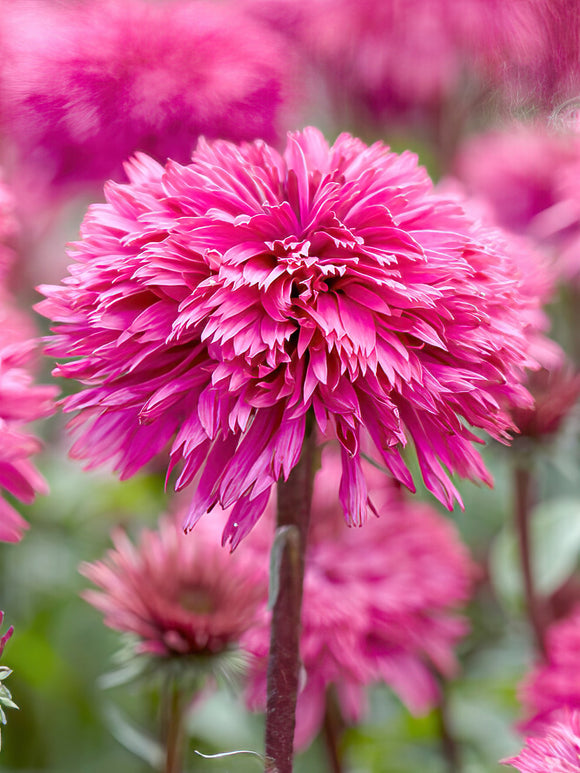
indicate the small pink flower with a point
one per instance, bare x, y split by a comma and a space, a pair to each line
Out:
377, 604
4, 638
84, 85
212, 307
555, 393
20, 402
557, 751
178, 595
555, 685
529, 178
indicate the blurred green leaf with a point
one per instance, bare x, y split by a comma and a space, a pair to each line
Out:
555, 546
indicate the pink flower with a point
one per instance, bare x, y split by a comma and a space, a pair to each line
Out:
6, 636
20, 402
555, 394
84, 85
377, 603
529, 178
557, 751
178, 595
214, 306
399, 58
555, 685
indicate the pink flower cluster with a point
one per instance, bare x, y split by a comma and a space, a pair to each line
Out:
84, 85
179, 595
20, 402
214, 306
378, 603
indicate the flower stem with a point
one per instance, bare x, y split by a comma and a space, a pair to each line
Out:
523, 496
332, 730
173, 734
294, 501
448, 743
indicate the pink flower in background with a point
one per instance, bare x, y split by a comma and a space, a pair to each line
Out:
20, 402
557, 751
8, 230
555, 685
529, 178
555, 394
84, 85
179, 595
396, 58
377, 605
4, 638
213, 306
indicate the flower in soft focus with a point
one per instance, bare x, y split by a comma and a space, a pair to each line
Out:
378, 603
8, 230
84, 85
554, 686
179, 596
214, 306
529, 178
555, 394
557, 751
21, 401
6, 636
399, 58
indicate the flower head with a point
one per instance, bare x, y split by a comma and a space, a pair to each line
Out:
555, 394
529, 178
179, 596
214, 306
557, 751
377, 605
84, 85
20, 402
555, 685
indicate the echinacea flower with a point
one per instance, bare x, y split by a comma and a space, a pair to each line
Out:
556, 751
21, 401
212, 307
555, 394
84, 85
178, 596
528, 176
554, 685
378, 603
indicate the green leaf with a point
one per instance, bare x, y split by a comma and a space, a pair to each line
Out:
555, 548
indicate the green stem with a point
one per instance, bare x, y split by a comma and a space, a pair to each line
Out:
294, 501
332, 731
173, 728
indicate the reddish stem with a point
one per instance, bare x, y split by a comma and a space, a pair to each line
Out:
294, 500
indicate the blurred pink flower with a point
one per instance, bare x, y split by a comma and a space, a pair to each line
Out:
179, 595
84, 85
396, 58
377, 603
4, 638
215, 305
557, 751
555, 394
8, 230
528, 176
20, 402
554, 686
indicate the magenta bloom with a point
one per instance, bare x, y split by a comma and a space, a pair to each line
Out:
529, 178
377, 603
557, 751
178, 595
555, 685
20, 402
214, 306
396, 58
555, 392
84, 85
4, 638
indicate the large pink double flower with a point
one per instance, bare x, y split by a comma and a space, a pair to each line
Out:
214, 306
